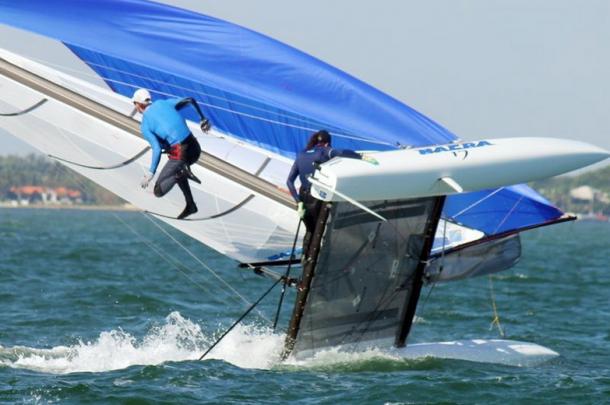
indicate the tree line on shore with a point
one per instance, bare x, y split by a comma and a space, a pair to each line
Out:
38, 170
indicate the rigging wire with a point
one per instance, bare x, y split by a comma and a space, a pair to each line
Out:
165, 256
240, 318
175, 86
441, 266
228, 101
287, 275
127, 84
508, 214
474, 204
205, 266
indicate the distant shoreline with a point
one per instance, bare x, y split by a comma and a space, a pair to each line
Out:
84, 207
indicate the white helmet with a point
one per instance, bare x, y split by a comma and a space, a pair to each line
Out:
141, 96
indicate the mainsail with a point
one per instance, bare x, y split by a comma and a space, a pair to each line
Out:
264, 99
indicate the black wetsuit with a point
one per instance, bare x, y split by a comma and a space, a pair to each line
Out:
165, 129
180, 155
304, 166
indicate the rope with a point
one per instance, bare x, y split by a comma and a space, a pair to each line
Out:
496, 319
162, 254
286, 275
205, 266
165, 256
82, 186
240, 318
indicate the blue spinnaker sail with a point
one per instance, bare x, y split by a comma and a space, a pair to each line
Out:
255, 88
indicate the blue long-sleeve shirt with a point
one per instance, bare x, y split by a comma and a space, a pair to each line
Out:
163, 126
306, 162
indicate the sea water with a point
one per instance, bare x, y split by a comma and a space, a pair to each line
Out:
102, 307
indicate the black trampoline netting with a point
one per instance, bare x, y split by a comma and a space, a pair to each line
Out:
365, 273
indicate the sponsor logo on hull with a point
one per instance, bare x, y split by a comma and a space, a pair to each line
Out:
454, 147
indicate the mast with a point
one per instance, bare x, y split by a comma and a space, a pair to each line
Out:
411, 306
311, 259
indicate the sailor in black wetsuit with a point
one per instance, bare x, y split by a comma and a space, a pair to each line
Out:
165, 129
317, 151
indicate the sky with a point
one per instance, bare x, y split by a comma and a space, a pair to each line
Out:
481, 68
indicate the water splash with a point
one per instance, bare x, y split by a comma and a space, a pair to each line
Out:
178, 339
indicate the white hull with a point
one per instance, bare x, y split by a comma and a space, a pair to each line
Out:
452, 168
496, 351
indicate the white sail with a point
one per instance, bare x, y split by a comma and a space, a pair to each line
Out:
260, 228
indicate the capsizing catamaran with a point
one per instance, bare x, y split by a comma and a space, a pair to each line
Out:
435, 208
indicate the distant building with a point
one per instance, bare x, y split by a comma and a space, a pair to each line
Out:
26, 195
590, 201
583, 193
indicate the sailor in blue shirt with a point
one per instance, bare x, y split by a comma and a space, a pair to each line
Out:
317, 151
166, 130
